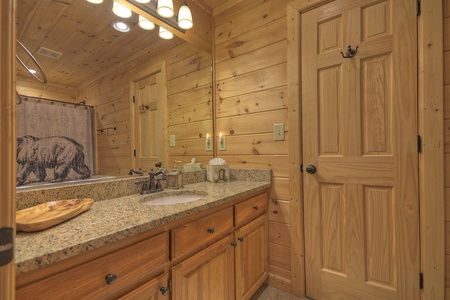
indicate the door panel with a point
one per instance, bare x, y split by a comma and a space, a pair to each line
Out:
360, 131
148, 117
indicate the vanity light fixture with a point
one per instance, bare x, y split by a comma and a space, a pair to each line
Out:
222, 142
162, 10
121, 11
95, 1
165, 34
146, 24
165, 8
185, 17
143, 1
121, 26
208, 146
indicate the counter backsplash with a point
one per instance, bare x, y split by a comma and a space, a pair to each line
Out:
119, 187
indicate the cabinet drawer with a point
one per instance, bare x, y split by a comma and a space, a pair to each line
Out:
195, 234
88, 280
250, 209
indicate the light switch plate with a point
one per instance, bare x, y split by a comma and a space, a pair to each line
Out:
278, 132
172, 140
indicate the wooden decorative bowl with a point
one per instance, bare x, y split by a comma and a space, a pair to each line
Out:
48, 214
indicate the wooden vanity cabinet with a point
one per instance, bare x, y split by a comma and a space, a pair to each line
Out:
219, 255
150, 290
206, 275
251, 257
232, 268
106, 277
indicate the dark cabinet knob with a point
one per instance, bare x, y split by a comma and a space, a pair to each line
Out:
256, 207
111, 279
241, 239
311, 169
164, 291
210, 230
234, 244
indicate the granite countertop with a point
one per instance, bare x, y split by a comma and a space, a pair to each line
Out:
115, 219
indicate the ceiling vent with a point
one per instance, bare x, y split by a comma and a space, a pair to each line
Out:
49, 53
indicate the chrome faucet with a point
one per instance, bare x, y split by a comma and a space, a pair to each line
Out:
138, 172
153, 184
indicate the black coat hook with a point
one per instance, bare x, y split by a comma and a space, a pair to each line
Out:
350, 52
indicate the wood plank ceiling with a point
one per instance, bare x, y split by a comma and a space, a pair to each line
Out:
82, 32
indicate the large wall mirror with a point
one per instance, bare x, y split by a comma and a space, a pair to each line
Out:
151, 96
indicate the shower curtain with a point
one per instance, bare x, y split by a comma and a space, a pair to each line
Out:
55, 141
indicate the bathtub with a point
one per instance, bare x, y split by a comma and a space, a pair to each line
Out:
94, 178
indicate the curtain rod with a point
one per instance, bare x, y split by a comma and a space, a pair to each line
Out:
24, 97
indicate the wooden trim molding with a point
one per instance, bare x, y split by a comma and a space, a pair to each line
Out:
294, 10
431, 126
431, 164
7, 136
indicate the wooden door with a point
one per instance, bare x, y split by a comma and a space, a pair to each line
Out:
148, 113
207, 275
7, 147
360, 132
252, 261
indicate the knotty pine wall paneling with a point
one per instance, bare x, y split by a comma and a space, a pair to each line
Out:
189, 105
446, 30
27, 86
251, 67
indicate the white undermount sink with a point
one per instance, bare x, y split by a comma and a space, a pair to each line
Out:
172, 198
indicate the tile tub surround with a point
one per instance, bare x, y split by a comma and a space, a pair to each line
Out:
116, 219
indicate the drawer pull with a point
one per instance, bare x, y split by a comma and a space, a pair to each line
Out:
111, 279
241, 239
164, 291
256, 207
210, 230
234, 244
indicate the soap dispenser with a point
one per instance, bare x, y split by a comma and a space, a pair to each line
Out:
175, 177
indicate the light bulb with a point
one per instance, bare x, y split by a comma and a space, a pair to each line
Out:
185, 17
143, 1
121, 26
146, 24
95, 1
165, 34
121, 10
165, 8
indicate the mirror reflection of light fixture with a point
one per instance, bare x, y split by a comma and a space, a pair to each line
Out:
146, 24
121, 26
165, 8
185, 17
165, 34
95, 1
121, 10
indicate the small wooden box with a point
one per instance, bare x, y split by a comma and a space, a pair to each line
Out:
217, 173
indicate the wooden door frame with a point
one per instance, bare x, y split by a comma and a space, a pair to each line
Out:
8, 136
154, 69
431, 159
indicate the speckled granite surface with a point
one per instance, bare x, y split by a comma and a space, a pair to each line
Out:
117, 218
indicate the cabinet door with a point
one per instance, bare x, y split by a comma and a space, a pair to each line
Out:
252, 266
150, 290
207, 275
